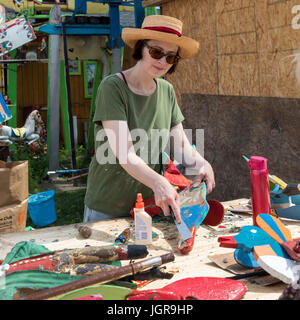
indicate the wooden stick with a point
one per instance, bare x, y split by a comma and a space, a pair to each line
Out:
77, 177
102, 277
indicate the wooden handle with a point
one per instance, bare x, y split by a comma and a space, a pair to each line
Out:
100, 278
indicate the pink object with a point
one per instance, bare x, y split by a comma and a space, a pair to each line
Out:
260, 189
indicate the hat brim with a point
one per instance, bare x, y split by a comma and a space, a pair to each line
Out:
188, 46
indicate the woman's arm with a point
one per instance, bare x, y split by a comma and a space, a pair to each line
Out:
120, 141
191, 158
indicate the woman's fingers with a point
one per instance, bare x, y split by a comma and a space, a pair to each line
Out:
169, 200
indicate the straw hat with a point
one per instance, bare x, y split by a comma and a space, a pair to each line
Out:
162, 28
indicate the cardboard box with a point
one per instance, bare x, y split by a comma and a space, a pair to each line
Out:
13, 217
14, 182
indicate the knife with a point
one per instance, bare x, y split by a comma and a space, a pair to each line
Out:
184, 231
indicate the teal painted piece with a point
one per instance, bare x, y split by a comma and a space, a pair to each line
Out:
277, 197
245, 259
248, 238
77, 29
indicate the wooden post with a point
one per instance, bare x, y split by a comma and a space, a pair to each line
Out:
64, 108
97, 79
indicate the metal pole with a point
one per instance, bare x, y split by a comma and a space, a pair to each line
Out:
53, 116
69, 96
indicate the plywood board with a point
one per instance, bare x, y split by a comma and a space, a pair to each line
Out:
237, 43
225, 5
236, 21
255, 35
238, 75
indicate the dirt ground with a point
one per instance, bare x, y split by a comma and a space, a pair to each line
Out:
60, 185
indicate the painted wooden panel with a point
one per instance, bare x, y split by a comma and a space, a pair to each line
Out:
33, 88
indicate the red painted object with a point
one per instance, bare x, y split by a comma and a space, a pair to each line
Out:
198, 288
215, 214
292, 249
260, 189
40, 262
188, 244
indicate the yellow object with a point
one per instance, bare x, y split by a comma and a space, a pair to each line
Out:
142, 222
19, 132
278, 181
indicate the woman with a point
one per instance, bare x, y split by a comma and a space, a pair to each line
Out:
137, 105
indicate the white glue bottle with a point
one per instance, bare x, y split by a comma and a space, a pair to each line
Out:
143, 222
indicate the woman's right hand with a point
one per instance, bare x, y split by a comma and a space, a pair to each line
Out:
165, 195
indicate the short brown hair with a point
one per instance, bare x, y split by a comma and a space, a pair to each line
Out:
138, 54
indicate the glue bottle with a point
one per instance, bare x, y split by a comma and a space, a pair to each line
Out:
143, 222
260, 189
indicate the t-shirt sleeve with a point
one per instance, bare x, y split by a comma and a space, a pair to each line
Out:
177, 116
110, 104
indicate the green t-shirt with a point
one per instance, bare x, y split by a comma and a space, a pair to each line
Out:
110, 189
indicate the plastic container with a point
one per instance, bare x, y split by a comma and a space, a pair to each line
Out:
142, 222
260, 189
41, 208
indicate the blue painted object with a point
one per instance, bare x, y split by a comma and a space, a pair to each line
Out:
269, 220
41, 208
5, 113
195, 209
277, 197
245, 259
248, 238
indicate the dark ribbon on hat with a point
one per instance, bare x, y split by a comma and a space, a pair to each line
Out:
164, 29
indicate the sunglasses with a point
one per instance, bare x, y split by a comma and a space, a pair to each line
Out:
157, 54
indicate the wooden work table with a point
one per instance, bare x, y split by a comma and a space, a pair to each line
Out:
196, 264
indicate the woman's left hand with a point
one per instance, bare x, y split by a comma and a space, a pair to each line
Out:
206, 174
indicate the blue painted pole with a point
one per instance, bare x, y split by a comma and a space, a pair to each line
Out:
115, 36
139, 13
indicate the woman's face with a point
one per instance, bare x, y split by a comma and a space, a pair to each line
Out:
157, 68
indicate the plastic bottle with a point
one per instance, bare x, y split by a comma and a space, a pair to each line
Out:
260, 189
143, 223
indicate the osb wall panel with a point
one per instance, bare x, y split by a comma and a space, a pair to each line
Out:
247, 47
236, 21
200, 71
230, 82
228, 5
235, 126
237, 44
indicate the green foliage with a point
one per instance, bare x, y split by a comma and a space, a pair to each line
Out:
82, 159
69, 207
69, 204
37, 165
